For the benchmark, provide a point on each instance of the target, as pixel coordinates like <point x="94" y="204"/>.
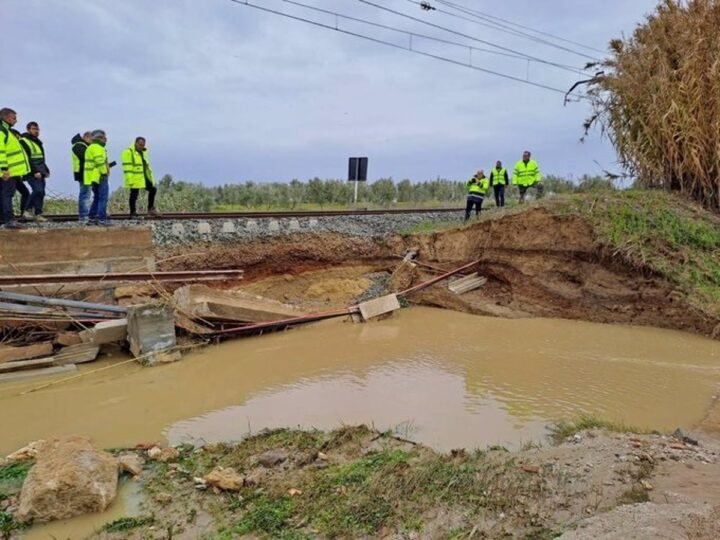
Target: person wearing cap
<point x="14" y="165"/>
<point x="138" y="175"/>
<point x="96" y="174"/>
<point x="80" y="144"/>
<point x="477" y="187"/>
<point x="39" y="172"/>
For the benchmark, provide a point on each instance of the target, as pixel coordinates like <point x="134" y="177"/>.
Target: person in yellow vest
<point x="139" y="175"/>
<point x="477" y="187"/>
<point x="39" y="172"/>
<point x="14" y="166"/>
<point x="526" y="175"/>
<point x="80" y="145"/>
<point x="498" y="180"/>
<point x="96" y="174"/>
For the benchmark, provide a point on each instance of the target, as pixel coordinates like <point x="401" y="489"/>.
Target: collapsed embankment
<point x="607" y="259"/>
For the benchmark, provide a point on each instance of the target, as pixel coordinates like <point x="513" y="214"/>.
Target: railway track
<point x="263" y="215"/>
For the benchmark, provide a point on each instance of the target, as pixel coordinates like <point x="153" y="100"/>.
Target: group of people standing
<point x="22" y="159"/>
<point x="526" y="175"/>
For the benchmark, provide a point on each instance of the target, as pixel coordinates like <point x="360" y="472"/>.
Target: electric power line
<point x="396" y="46"/>
<point x="412" y="34"/>
<point x="483" y="21"/>
<point x="489" y="16"/>
<point x="473" y="38"/>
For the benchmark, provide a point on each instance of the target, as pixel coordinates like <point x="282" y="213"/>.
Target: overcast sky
<point x="226" y="93"/>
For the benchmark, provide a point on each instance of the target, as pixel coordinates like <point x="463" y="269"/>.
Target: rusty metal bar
<point x="120" y="277"/>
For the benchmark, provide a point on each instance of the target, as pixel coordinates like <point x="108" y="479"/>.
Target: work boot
<point x="27" y="214"/>
<point x="105" y="223"/>
<point x="14" y="225"/>
<point x="40" y="218"/>
<point x="154" y="213"/>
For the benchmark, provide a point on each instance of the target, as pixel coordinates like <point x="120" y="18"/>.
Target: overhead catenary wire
<point x="412" y="34"/>
<point x="485" y="22"/>
<point x="513" y="24"/>
<point x="249" y="4"/>
<point x="473" y="38"/>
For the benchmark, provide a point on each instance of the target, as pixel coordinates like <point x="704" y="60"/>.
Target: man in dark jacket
<point x="39" y="172"/>
<point x="79" y="146"/>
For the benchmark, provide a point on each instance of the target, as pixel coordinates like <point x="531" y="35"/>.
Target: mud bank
<point x="539" y="263"/>
<point x="357" y="482"/>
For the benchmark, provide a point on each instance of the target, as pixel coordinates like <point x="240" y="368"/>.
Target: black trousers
<point x="24" y="192"/>
<point x="499" y="195"/>
<point x="134" y="192"/>
<point x="476" y="201"/>
<point x="7" y="191"/>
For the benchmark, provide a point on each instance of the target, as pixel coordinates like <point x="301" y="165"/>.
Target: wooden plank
<point x="7" y="367"/>
<point x="77" y="354"/>
<point x="44" y="372"/>
<point x="379" y="306"/>
<point x="467" y="283"/>
<point x="11" y="354"/>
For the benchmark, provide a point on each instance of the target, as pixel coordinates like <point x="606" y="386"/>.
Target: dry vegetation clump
<point x="659" y="99"/>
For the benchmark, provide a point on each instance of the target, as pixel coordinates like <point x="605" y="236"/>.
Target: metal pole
<point x="356" y="193"/>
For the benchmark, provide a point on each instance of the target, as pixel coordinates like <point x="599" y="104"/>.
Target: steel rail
<point x="263" y="215"/>
<point x="179" y="276"/>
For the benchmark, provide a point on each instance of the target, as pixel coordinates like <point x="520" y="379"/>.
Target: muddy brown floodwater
<point x="443" y="378"/>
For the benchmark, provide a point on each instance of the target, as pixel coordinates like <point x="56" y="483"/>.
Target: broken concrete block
<point x="106" y="332"/>
<point x="151" y="330"/>
<point x="379" y="306"/>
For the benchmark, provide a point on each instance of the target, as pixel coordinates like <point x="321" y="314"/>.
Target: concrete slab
<point x="203" y="302"/>
<point x="379" y="306"/>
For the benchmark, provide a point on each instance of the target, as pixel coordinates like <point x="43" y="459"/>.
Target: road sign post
<point x="357" y="172"/>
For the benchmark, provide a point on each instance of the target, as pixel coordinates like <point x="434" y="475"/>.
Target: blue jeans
<point x="84" y="201"/>
<point x="101" y="192"/>
<point x="37" y="197"/>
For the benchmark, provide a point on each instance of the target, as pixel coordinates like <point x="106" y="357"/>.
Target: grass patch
<point x="128" y="523"/>
<point x="12" y="477"/>
<point x="560" y="431"/>
<point x="430" y="227"/>
<point x="634" y="495"/>
<point x="267" y="515"/>
<point x="9" y="526"/>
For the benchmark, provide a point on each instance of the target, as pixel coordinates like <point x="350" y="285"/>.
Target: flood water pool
<point x="445" y="379"/>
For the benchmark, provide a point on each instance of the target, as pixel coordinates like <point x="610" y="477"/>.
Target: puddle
<point x="443" y="378"/>
<point x="126" y="504"/>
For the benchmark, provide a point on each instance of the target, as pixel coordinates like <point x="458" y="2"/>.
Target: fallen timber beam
<point x="58" y="313"/>
<point x="122" y="277"/>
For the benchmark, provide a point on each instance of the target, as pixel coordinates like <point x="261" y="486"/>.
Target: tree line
<point x="183" y="196"/>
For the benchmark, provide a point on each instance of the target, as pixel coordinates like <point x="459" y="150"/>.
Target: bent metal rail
<point x="266" y="215"/>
